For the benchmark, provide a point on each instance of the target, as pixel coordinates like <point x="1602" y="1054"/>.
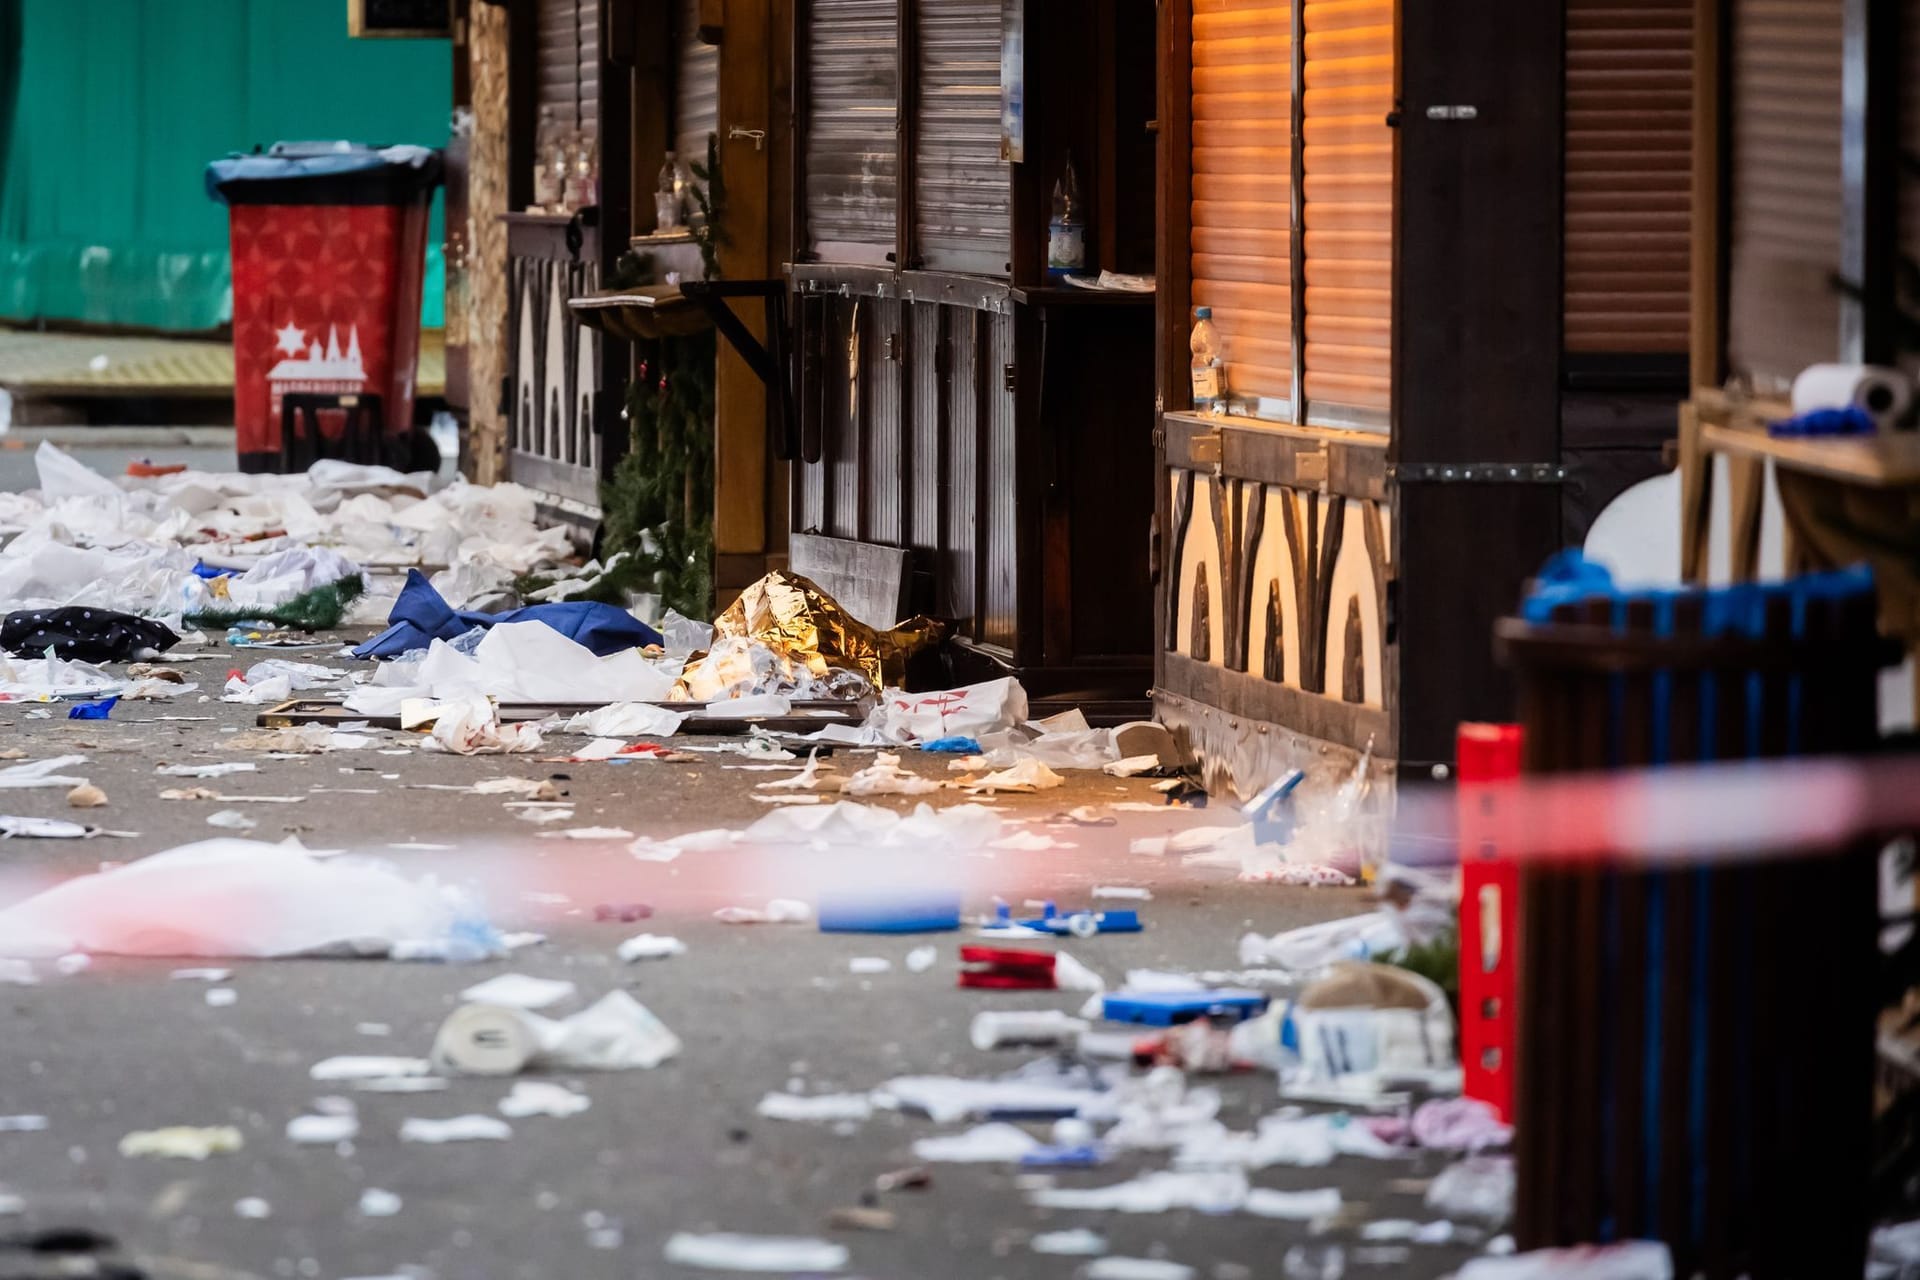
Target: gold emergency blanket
<point x="794" y="617"/>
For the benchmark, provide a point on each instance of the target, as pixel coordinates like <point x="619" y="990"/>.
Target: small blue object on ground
<point x="953" y="746"/>
<point x="92" y="710"/>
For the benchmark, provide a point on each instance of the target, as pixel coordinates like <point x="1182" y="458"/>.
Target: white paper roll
<point x="1882" y="394"/>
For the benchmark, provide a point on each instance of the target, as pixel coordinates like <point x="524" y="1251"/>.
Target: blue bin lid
<point x="325" y="173"/>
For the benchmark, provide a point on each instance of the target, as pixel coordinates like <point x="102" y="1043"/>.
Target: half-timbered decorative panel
<point x="1278" y="564"/>
<point x="552" y="438"/>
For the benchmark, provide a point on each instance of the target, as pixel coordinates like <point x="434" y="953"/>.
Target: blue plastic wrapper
<point x="420" y="616"/>
<point x="1850" y="421"/>
<point x="92" y="710"/>
<point x="953" y="746"/>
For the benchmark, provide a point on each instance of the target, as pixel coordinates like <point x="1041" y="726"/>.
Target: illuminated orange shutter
<point x="1348" y="208"/>
<point x="1629" y="175"/>
<point x="1783" y="312"/>
<point x="1243" y="189"/>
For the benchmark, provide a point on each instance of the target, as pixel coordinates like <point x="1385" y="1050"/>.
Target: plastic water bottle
<point x="1209" y="372"/>
<point x="667" y="198"/>
<point x="1067" y="230"/>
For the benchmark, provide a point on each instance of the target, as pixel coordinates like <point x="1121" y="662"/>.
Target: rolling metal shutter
<point x="960" y="184"/>
<point x="852" y="154"/>
<point x="1242" y="211"/>
<point x="568" y="76"/>
<point x="1348" y="207"/>
<point x="696" y="89"/>
<point x="1786" y="210"/>
<point x="1629" y="130"/>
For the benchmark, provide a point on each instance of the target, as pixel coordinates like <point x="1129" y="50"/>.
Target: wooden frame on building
<point x="953" y="401"/>
<point x="400" y="19"/>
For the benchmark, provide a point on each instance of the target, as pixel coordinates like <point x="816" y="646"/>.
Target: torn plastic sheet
<point x="1026" y="776"/>
<point x="531" y="662"/>
<point x="230" y="897"/>
<point x="50" y="678"/>
<point x="1208" y="1191"/>
<point x="957" y="828"/>
<point x="41" y="773"/>
<point x="885" y="777"/>
<point x="471" y="726"/>
<point x="193" y="770"/>
<point x="827" y="1108"/>
<point x="626" y="720"/>
<point x="12" y="828"/>
<point x="725" y="1251"/>
<point x="1307" y="1142"/>
<point x="1479" y="1188"/>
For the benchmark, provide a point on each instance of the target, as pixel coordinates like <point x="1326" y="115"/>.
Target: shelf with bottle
<point x="566" y="172"/>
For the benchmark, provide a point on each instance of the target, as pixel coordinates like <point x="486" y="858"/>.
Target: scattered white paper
<point x="542" y="1098"/>
<point x="467" y="1128"/>
<point x="727" y="1252"/>
<point x="650" y="946"/>
<point x="820" y="1107"/>
<point x="1077" y="1243"/>
<point x="778" y="911"/>
<point x="360" y="1067"/>
<point x="519" y="991"/>
<point x="983" y="1144"/>
<point x="322" y="1130"/>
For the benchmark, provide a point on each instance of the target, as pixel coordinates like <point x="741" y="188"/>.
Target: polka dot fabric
<point x="84" y="635"/>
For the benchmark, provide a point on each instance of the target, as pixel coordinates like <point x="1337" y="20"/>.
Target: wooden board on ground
<point x="869" y="580"/>
<point x="802" y="717"/>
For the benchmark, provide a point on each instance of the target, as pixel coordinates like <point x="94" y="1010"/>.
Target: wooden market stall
<point x="1446" y="260"/>
<point x="952" y="400"/>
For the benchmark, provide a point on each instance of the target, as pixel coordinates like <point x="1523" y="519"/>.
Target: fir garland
<point x="658" y="504"/>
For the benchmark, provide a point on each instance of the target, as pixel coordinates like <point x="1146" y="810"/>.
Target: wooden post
<point x="489" y="182"/>
<point x="1710" y="157"/>
<point x="748" y="53"/>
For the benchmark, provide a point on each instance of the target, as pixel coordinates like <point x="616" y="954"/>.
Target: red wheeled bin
<point x="329" y="247"/>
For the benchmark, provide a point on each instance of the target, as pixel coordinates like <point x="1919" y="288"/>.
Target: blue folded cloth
<point x="420" y="616"/>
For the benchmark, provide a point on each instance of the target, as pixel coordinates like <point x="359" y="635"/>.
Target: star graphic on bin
<point x="292" y="339"/>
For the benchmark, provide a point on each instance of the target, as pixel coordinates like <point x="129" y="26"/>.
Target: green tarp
<point x="110" y="110"/>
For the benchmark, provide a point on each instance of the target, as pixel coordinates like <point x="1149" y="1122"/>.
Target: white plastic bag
<point x="229" y="897"/>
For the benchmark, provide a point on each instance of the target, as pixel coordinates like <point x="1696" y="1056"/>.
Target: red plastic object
<point x="326" y="320"/>
<point x="1488" y="757"/>
<point x="1001" y="969"/>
